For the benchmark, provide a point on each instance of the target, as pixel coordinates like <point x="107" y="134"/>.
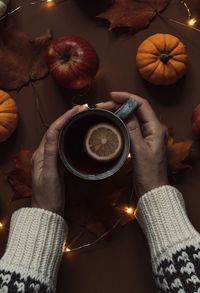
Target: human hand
<point x="147" y="143"/>
<point x="48" y="183"/>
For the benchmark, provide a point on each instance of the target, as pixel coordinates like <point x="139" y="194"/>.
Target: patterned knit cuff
<point x="35" y="245"/>
<point x="163" y="218"/>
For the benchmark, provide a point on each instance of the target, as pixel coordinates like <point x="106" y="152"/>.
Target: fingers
<point x="110" y="106"/>
<point x="51" y="141"/>
<point x="144" y="112"/>
<point x="133" y="125"/>
<point x="48" y="149"/>
<point x="59" y="123"/>
<point x="135" y="134"/>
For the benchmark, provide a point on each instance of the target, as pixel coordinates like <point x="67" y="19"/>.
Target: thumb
<point x="51" y="139"/>
<point x="135" y="134"/>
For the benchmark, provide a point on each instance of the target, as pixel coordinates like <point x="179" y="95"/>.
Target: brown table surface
<point x="121" y="264"/>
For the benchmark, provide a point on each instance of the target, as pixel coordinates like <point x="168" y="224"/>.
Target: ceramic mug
<point x="72" y="136"/>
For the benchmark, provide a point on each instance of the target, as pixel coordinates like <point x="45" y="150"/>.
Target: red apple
<point x="196" y="120"/>
<point x="72" y="61"/>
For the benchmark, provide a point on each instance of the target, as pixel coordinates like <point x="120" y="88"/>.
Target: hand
<point x="48" y="185"/>
<point x="147" y="143"/>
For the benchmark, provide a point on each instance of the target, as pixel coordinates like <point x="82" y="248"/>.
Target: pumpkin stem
<point x="165" y="57"/>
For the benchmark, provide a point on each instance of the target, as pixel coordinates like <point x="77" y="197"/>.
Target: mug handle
<point x="126" y="110"/>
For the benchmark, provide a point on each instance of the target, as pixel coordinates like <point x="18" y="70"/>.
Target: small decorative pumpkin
<point x="162" y="59"/>
<point x="8" y="116"/>
<point x="3" y="6"/>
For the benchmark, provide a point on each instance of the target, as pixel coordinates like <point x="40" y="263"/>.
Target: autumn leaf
<point x="22" y="60"/>
<point x="133" y="14"/>
<point x="177" y="153"/>
<point x="21" y="177"/>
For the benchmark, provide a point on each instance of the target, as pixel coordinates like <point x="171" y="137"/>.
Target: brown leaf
<point x="133" y="14"/>
<point x="21" y="177"/>
<point x="22" y="60"/>
<point x="177" y="153"/>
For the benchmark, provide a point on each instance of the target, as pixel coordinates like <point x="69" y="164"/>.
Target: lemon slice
<point x="103" y="142"/>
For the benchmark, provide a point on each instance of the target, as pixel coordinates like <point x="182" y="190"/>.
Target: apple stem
<point x="65" y="58"/>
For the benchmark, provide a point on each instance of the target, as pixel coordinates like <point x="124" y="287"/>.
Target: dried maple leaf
<point x="133" y="14"/>
<point x="22" y="60"/>
<point x="21" y="177"/>
<point x="177" y="153"/>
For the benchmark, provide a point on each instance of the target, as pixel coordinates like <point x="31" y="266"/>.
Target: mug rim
<point x="105" y="174"/>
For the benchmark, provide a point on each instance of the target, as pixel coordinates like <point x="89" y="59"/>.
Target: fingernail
<point x="100" y="104"/>
<point x="82" y="108"/>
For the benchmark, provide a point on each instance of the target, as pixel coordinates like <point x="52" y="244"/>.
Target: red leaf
<point x="21" y="177"/>
<point x="22" y="60"/>
<point x="133" y="14"/>
<point x="177" y="153"/>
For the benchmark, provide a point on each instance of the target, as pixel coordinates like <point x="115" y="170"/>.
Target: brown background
<point x="121" y="264"/>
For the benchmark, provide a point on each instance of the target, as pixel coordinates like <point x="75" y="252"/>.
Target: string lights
<point x="129" y="209"/>
<point x="187" y="8"/>
<point x="48" y="3"/>
<point x="191" y="21"/>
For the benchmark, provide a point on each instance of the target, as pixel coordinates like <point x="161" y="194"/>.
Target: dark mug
<point x="71" y="149"/>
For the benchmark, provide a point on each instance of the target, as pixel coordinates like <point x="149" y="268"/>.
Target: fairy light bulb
<point x="1" y="225"/>
<point x="129" y="210"/>
<point x="129" y="155"/>
<point x="50" y="3"/>
<point x="67" y="249"/>
<point x="85" y="105"/>
<point x="192" y="21"/>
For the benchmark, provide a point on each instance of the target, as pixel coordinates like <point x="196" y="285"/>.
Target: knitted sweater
<point x="173" y="241"/>
<point x="34" y="249"/>
<point x="33" y="253"/>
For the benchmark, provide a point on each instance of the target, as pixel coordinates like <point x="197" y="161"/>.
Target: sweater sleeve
<point x="173" y="241"/>
<point x="33" y="253"/>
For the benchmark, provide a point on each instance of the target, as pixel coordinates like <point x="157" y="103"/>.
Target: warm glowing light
<point x="129" y="210"/>
<point x="83" y="107"/>
<point x="67" y="249"/>
<point x="1" y="225"/>
<point x="129" y="155"/>
<point x="50" y="3"/>
<point x="192" y="21"/>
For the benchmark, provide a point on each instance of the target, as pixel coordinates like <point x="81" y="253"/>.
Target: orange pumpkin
<point x="8" y="116"/>
<point x="162" y="59"/>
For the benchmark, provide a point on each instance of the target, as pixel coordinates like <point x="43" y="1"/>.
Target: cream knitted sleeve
<point x="33" y="253"/>
<point x="173" y="241"/>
